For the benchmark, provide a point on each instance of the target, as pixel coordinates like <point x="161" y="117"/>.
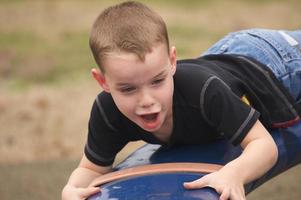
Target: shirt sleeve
<point x="104" y="141"/>
<point x="225" y="111"/>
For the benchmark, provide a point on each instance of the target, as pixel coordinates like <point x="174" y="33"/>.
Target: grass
<point x="33" y="59"/>
<point x="197" y="43"/>
<point x="35" y="181"/>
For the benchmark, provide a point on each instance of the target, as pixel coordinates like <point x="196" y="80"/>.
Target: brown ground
<point x="43" y="127"/>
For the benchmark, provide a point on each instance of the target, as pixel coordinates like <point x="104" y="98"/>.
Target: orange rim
<point x="156" y="169"/>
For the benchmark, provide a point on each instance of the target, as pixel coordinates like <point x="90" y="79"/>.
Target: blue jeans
<point x="278" y="50"/>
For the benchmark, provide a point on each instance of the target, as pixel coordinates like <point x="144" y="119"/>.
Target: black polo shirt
<point x="206" y="106"/>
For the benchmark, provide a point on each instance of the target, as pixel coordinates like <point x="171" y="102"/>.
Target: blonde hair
<point x="127" y="27"/>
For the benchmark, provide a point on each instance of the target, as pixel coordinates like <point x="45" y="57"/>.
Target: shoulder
<point x="191" y="78"/>
<point x="105" y="129"/>
<point x="105" y="111"/>
<point x="105" y="102"/>
<point x="196" y="68"/>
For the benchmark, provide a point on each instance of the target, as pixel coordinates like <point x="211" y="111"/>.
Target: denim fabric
<point x="278" y="50"/>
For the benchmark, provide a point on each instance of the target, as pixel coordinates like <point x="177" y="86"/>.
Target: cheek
<point x="166" y="93"/>
<point x="124" y="104"/>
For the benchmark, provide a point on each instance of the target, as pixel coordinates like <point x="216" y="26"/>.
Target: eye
<point x="158" y="81"/>
<point x="127" y="89"/>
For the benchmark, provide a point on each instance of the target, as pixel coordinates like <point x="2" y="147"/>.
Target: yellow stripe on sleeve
<point x="245" y="100"/>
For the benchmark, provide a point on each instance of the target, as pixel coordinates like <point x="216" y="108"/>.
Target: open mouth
<point x="150" y="121"/>
<point x="150" y="117"/>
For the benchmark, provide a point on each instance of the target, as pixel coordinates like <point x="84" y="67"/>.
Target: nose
<point x="146" y="99"/>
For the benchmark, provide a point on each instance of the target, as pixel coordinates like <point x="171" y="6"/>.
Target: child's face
<point x="142" y="91"/>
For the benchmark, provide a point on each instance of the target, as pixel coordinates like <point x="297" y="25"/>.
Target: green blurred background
<point x="46" y="90"/>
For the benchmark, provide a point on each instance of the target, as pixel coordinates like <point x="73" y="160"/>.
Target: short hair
<point x="129" y="27"/>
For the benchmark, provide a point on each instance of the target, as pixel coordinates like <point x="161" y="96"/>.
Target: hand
<point x="72" y="193"/>
<point x="226" y="183"/>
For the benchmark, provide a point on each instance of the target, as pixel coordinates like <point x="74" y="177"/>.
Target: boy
<point x="150" y="96"/>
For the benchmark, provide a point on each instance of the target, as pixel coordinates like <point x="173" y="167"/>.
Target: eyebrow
<point x="162" y="73"/>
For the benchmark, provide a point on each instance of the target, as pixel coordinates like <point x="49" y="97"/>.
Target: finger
<point x="237" y="194"/>
<point x="202" y="182"/>
<point x="242" y="193"/>
<point x="84" y="193"/>
<point x="225" y="194"/>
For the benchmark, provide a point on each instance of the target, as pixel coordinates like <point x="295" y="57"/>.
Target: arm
<point x="259" y="155"/>
<point x="77" y="186"/>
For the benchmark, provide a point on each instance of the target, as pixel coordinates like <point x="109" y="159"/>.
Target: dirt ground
<point x="46" y="90"/>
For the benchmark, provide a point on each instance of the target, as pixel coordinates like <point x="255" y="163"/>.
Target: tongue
<point x="149" y="117"/>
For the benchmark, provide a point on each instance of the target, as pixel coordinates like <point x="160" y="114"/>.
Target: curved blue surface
<point x="157" y="186"/>
<point x="288" y="142"/>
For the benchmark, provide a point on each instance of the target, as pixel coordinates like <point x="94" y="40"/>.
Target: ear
<point x="173" y="59"/>
<point x="100" y="78"/>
